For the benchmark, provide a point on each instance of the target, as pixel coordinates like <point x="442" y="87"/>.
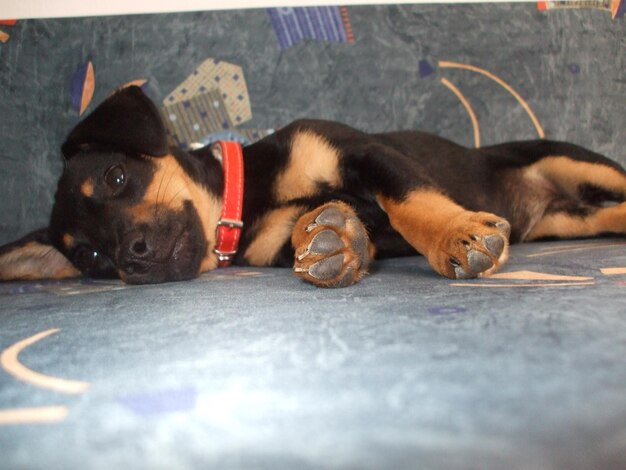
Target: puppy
<point x="317" y="196"/>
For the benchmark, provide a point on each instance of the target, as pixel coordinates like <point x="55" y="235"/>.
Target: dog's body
<point x="318" y="196"/>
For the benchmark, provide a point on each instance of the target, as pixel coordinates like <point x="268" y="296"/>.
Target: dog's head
<point x="127" y="205"/>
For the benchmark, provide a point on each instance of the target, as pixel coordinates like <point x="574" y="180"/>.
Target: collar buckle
<point x="231" y="223"/>
<point x="224" y="256"/>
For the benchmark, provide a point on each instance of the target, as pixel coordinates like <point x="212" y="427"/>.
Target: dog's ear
<point x="34" y="257"/>
<point x="127" y="121"/>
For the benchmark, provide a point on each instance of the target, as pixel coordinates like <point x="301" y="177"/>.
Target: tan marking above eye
<point x="312" y="160"/>
<point x="170" y="187"/>
<point x="68" y="241"/>
<point x="87" y="187"/>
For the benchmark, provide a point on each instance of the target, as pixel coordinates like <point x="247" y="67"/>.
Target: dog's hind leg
<point x="589" y="198"/>
<point x="332" y="248"/>
<point x="458" y="243"/>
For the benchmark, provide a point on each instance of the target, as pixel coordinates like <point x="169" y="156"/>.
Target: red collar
<point x="230" y="223"/>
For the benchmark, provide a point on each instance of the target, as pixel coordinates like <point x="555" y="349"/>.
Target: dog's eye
<point x="86" y="258"/>
<point x="115" y="177"/>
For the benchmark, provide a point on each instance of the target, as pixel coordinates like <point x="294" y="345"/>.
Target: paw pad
<point x="330" y="216"/>
<point x="323" y="243"/>
<point x="327" y="268"/>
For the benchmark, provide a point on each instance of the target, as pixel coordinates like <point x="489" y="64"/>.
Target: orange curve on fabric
<point x="37" y="415"/>
<point x="503" y="84"/>
<point x="613" y="271"/>
<point x="468" y="108"/>
<point x="537" y="276"/>
<point x="574" y="248"/>
<point x="509" y="286"/>
<point x="9" y="361"/>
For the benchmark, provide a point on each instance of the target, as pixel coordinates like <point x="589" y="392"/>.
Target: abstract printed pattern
<point x="82" y="87"/>
<point x="224" y="77"/>
<point x="616" y="7"/>
<point x="294" y="25"/>
<point x="4" y="37"/>
<point x="211" y="101"/>
<point x="192" y="119"/>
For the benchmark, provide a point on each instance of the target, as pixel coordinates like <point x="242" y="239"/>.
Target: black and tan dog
<point x="319" y="196"/>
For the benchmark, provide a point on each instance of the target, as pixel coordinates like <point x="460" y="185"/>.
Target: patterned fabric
<point x="214" y="98"/>
<point x="616" y="7"/>
<point x="224" y="77"/>
<point x="82" y="87"/>
<point x="4" y="36"/>
<point x="190" y="120"/>
<point x="294" y="25"/>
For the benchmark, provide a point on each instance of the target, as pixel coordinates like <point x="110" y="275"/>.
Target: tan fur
<point x="68" y="241"/>
<point x="568" y="174"/>
<point x="35" y="261"/>
<point x="312" y="160"/>
<point x="604" y="220"/>
<point x="436" y="226"/>
<point x="169" y="189"/>
<point x="421" y="217"/>
<point x="270" y="234"/>
<point x="87" y="187"/>
<point x="530" y="193"/>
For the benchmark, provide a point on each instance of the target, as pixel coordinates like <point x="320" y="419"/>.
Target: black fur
<point x="126" y="131"/>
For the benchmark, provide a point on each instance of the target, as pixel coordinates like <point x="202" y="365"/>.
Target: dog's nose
<point x="135" y="253"/>
<point x="135" y="245"/>
<point x="139" y="248"/>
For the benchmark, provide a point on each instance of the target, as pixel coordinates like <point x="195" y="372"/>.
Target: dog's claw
<point x="460" y="273"/>
<point x="501" y="225"/>
<point x="330" y="216"/>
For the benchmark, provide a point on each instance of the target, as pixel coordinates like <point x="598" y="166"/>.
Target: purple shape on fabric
<point x="425" y="68"/>
<point x="161" y="401"/>
<point x="574" y="68"/>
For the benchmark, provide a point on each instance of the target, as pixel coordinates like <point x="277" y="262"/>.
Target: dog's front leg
<point x="459" y="244"/>
<point x="332" y="248"/>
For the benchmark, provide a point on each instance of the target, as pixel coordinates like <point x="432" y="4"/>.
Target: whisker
<point x="156" y="206"/>
<point x="175" y="196"/>
<point x="164" y="194"/>
<point x="168" y="185"/>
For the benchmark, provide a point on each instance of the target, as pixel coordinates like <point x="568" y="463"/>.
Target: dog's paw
<point x="332" y="248"/>
<point x="474" y="244"/>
